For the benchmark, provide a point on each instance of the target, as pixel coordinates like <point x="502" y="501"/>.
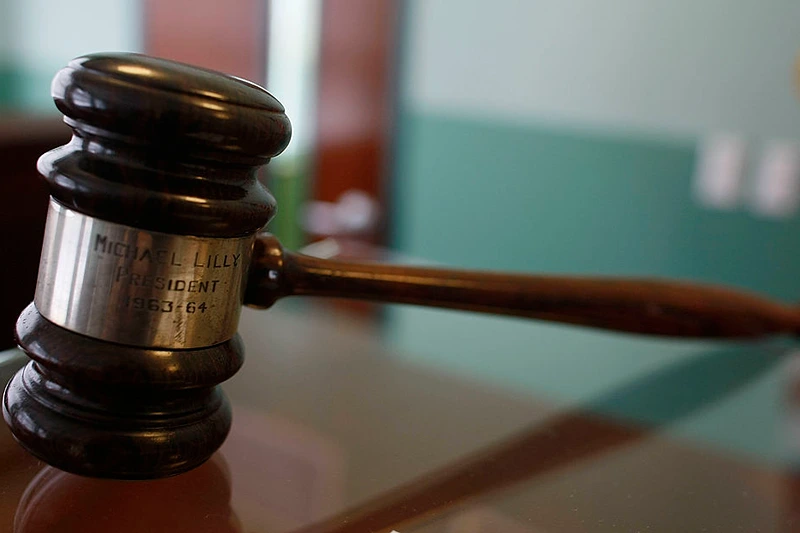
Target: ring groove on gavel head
<point x="154" y="210"/>
<point x="163" y="146"/>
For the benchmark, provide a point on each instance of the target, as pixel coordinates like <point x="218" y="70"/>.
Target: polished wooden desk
<point x="332" y="432"/>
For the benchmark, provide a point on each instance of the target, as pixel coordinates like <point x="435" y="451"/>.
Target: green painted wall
<point x="540" y="198"/>
<point x="547" y="199"/>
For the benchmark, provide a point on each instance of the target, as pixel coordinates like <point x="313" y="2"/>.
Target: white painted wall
<point x="292" y="65"/>
<point x="38" y="37"/>
<point x="6" y="15"/>
<point x="47" y="33"/>
<point x="682" y="66"/>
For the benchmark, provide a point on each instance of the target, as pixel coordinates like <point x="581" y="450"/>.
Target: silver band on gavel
<point x="142" y="288"/>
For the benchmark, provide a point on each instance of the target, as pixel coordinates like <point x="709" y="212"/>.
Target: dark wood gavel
<point x="152" y="246"/>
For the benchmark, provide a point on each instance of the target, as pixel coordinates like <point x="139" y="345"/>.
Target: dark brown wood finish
<point x="653" y="307"/>
<point x="312" y="377"/>
<point x="358" y="41"/>
<point x="554" y="444"/>
<point x="198" y="501"/>
<point x="171" y="148"/>
<point x="164" y="146"/>
<point x="159" y="146"/>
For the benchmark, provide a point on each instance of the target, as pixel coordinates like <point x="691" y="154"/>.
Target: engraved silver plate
<point x="136" y="287"/>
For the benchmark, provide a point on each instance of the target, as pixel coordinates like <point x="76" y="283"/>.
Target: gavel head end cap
<point x="170" y="106"/>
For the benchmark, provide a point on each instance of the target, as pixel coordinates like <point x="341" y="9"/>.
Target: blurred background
<point x="565" y="136"/>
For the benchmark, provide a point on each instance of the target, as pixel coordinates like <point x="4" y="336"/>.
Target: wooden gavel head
<point x="154" y="207"/>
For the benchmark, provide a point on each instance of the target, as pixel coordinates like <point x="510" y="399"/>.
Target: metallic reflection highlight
<point x="141" y="288"/>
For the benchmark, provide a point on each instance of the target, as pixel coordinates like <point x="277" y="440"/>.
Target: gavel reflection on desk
<point x="58" y="501"/>
<point x="152" y="246"/>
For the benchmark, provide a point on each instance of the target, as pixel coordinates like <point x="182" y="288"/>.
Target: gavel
<point x="153" y="244"/>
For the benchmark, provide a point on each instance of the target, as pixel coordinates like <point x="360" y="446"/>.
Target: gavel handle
<point x="652" y="307"/>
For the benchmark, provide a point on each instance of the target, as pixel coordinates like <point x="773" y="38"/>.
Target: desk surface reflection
<point x="334" y="433"/>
